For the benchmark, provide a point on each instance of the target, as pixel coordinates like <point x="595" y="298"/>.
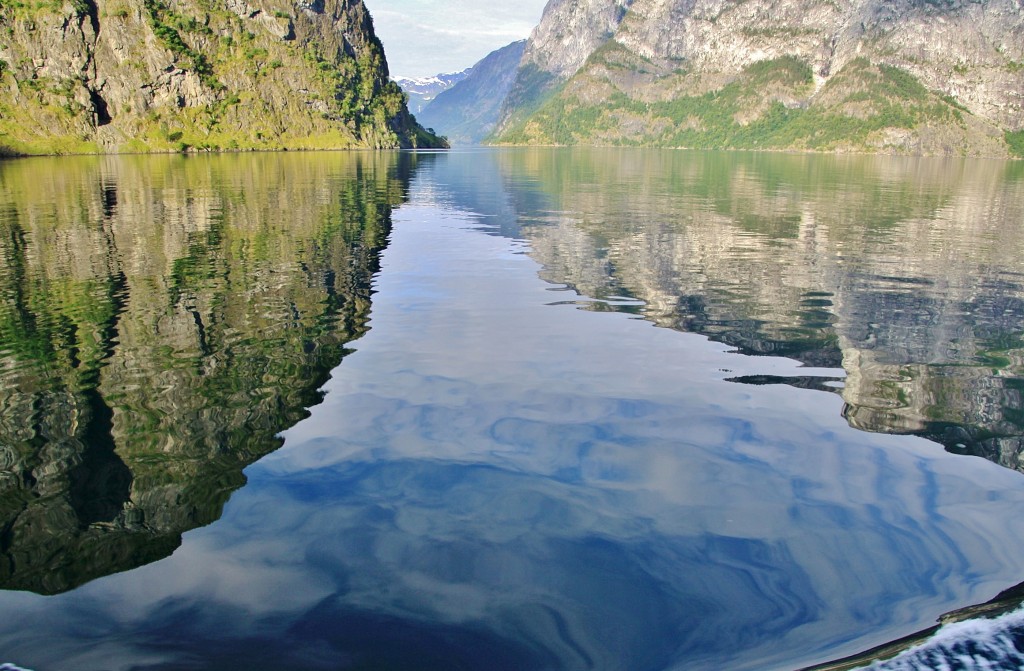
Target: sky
<point x="429" y="37"/>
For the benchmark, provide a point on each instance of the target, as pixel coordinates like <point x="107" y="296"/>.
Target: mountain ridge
<point x="907" y="77"/>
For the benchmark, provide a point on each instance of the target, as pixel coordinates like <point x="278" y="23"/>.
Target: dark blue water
<point x="513" y="467"/>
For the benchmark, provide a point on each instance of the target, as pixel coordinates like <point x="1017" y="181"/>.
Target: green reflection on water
<point x="161" y="321"/>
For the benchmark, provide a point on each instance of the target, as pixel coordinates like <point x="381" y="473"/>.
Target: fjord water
<point x="511" y="467"/>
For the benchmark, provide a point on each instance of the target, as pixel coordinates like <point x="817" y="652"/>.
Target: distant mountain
<point x="932" y="77"/>
<point x="468" y="112"/>
<point x="422" y="90"/>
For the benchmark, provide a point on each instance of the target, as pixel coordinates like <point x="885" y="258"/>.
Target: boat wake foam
<point x="972" y="645"/>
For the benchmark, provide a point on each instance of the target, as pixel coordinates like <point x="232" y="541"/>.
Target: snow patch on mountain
<point x="421" y="90"/>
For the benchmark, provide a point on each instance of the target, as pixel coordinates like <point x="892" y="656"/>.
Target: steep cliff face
<point x="912" y="76"/>
<point x="570" y="31"/>
<point x="468" y="112"/>
<point x="143" y="75"/>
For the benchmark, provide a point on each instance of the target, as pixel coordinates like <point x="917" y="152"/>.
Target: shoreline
<point x="8" y="154"/>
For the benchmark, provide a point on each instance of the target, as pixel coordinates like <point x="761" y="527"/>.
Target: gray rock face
<point x="569" y="31"/>
<point x="966" y="49"/>
<point x="969" y="50"/>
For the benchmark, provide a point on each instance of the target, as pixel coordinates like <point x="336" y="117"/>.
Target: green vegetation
<point x="165" y="24"/>
<point x="532" y="87"/>
<point x="766" y="107"/>
<point x="1015" y="140"/>
<point x="777" y="32"/>
<point x="356" y="91"/>
<point x="19" y="9"/>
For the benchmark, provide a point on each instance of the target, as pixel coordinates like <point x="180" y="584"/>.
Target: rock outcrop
<point x="911" y="77"/>
<point x="87" y="76"/>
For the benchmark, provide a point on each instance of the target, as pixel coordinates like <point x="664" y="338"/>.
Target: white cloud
<point x="427" y="37"/>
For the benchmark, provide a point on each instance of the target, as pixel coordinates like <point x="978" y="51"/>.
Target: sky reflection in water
<point x="496" y="480"/>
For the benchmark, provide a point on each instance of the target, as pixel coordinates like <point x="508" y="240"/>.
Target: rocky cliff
<point x="84" y="76"/>
<point x="468" y="112"/>
<point x="912" y="76"/>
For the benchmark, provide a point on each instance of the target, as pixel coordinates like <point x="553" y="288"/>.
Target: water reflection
<point x="906" y="273"/>
<point x="496" y="479"/>
<point x="496" y="482"/>
<point x="160" y="322"/>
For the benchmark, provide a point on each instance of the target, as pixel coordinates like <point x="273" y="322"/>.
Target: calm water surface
<point x="504" y="409"/>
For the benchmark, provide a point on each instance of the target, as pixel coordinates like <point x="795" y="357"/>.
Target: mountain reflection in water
<point x="906" y="273"/>
<point x="161" y="320"/>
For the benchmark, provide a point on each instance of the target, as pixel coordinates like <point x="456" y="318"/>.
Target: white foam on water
<point x="972" y="645"/>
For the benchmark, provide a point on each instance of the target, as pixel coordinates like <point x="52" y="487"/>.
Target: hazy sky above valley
<point x="428" y="37"/>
